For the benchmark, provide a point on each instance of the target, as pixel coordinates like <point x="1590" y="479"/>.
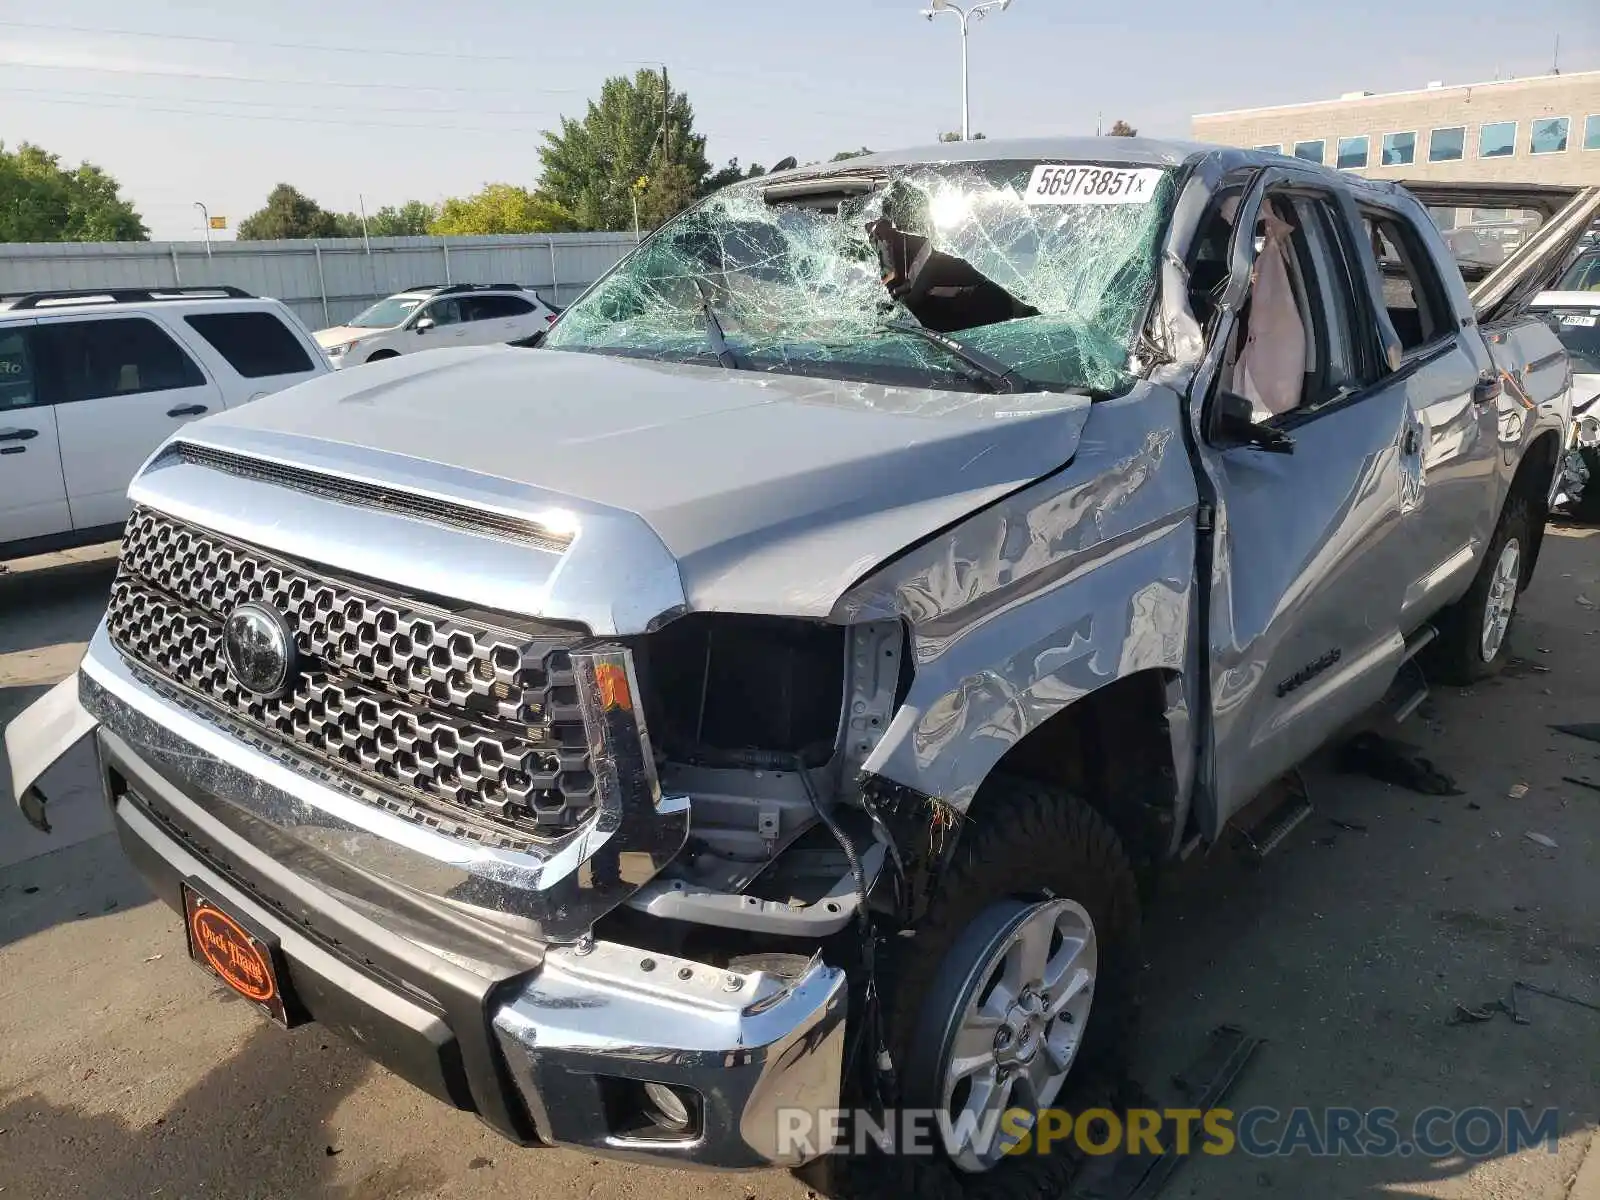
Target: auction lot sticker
<point x="1067" y="183"/>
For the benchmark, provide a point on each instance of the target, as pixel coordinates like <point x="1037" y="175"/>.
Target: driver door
<point x="1309" y="543"/>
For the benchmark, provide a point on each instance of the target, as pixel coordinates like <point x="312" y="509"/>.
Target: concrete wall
<point x="1575" y="96"/>
<point x="326" y="281"/>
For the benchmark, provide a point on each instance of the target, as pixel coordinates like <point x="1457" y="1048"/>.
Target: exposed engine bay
<point x="763" y="722"/>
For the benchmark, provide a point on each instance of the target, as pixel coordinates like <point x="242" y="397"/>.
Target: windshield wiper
<point x="986" y="367"/>
<point x="719" y="344"/>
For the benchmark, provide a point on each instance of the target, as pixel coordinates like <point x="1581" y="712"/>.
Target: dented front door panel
<point x="1311" y="551"/>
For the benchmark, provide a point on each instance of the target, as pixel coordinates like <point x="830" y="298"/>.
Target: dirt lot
<point x="125" y="1073"/>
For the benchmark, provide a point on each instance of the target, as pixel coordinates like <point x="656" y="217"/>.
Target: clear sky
<point x="187" y="100"/>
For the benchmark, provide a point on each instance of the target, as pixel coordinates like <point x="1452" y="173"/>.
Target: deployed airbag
<point x="1271" y="370"/>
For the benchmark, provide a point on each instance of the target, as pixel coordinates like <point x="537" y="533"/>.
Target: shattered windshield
<point x="385" y="314"/>
<point x="967" y="276"/>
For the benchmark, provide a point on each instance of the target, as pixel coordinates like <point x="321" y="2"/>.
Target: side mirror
<point x="1233" y="424"/>
<point x="424" y="324"/>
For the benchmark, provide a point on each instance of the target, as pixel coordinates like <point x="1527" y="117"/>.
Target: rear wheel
<point x="1472" y="632"/>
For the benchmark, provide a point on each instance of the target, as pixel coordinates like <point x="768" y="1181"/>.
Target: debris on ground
<point x="1462" y="1015"/>
<point x="1554" y="995"/>
<point x="1539" y="839"/>
<point x="1588" y="783"/>
<point x="1589" y="732"/>
<point x="1202" y="1085"/>
<point x="1469" y="1016"/>
<point x="1352" y="826"/>
<point x="1389" y="761"/>
<point x="1517" y="792"/>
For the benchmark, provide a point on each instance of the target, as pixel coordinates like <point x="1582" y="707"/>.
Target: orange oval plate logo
<point x="232" y="953"/>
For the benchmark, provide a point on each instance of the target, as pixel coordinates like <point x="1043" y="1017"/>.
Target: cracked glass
<point x="849" y="280"/>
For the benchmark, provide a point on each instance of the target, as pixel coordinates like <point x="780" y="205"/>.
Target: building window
<point x="1399" y="149"/>
<point x="1275" y="148"/>
<point x="1310" y="151"/>
<point x="1591" y="132"/>
<point x="1447" y="145"/>
<point x="1497" y="140"/>
<point x="1549" y="135"/>
<point x="1352" y="152"/>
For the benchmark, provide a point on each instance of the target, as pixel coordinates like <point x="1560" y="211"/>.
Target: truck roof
<point x="1116" y="151"/>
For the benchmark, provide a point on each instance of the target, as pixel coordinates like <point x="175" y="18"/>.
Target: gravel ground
<point x="124" y="1072"/>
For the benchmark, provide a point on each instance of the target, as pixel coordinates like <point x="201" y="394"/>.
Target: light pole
<point x="964" y="15"/>
<point x="205" y="224"/>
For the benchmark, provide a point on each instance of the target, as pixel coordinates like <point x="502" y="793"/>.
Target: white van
<point x="91" y="383"/>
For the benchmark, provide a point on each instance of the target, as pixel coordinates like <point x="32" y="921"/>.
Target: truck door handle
<point x="186" y="410"/>
<point x="18" y="435"/>
<point x="1410" y="441"/>
<point x="1486" y="390"/>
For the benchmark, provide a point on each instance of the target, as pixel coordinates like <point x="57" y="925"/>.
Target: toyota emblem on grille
<point x="260" y="649"/>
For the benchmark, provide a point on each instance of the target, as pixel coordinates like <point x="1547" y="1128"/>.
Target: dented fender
<point x="38" y="738"/>
<point x="1031" y="604"/>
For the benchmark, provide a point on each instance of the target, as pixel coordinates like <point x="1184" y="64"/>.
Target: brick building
<point x="1543" y="129"/>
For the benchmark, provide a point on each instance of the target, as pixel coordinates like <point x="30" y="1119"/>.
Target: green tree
<point x="40" y="201"/>
<point x="501" y="208"/>
<point x="732" y="173"/>
<point x="411" y="219"/>
<point x="289" y="213"/>
<point x="666" y="194"/>
<point x="955" y="136"/>
<point x="1120" y="128"/>
<point x="590" y="165"/>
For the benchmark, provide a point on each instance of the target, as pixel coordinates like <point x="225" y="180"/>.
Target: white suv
<point x="437" y="316"/>
<point x="91" y="383"/>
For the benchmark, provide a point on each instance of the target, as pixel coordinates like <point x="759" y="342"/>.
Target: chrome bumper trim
<point x="555" y="893"/>
<point x="749" y="1044"/>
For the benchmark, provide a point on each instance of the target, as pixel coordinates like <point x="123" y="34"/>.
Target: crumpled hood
<point x="773" y="493"/>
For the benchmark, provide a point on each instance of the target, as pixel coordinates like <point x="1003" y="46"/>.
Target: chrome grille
<point x="460" y="716"/>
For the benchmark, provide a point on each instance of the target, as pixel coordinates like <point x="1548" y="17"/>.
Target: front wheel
<point x="1017" y="992"/>
<point x="1472" y="632"/>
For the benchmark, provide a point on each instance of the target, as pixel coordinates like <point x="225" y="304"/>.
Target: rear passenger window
<point x="16" y="371"/>
<point x="490" y="308"/>
<point x="118" y="356"/>
<point x="255" y="344"/>
<point x="1413" y="293"/>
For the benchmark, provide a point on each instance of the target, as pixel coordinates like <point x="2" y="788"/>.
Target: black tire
<point x="1024" y="840"/>
<point x="380" y="355"/>
<point x="1456" y="657"/>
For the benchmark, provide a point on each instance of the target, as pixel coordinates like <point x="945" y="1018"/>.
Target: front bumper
<point x="547" y="1043"/>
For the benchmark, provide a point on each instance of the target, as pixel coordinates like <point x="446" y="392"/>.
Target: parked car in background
<point x="91" y="382"/>
<point x="1574" y="316"/>
<point x="1584" y="273"/>
<point x="435" y="317"/>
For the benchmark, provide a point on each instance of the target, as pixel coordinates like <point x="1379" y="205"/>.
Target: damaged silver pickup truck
<point x="778" y="688"/>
